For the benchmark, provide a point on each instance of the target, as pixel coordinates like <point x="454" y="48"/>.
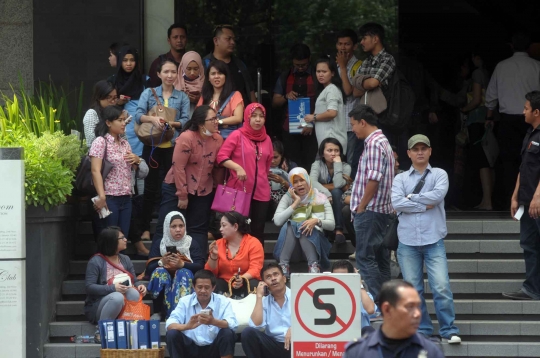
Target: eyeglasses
<point x="111" y="98"/>
<point x="213" y="119"/>
<point x="300" y="65"/>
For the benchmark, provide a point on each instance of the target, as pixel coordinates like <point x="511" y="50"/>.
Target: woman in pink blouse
<point x="248" y="153"/>
<point x="114" y="191"/>
<point x="189" y="183"/>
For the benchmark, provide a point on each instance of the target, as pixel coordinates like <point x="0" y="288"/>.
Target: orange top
<point x="249" y="258"/>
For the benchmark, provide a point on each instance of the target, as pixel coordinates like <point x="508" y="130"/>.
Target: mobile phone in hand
<point x="266" y="291"/>
<point x="125" y="283"/>
<point x="205" y="311"/>
<point x="125" y="97"/>
<point x="172" y="249"/>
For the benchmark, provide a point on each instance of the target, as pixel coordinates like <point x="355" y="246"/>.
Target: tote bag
<point x="135" y="310"/>
<point x="243" y="308"/>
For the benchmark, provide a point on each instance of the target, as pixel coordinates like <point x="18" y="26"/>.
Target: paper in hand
<point x="519" y="212"/>
<point x="104" y="212"/>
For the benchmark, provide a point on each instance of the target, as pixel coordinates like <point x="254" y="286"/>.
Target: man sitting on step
<point x="418" y="198"/>
<point x="272" y="313"/>
<point x="203" y="323"/>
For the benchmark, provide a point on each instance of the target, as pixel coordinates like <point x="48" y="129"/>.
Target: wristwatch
<point x="315" y="117"/>
<point x="319" y="223"/>
<point x="220" y="122"/>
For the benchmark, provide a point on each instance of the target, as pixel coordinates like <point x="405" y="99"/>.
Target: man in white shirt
<point x="271" y="313"/>
<point x="512" y="79"/>
<point x="203" y="323"/>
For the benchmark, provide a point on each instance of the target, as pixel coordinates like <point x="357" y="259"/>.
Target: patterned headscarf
<point x="247" y="130"/>
<point x="313" y="197"/>
<point x="182" y="245"/>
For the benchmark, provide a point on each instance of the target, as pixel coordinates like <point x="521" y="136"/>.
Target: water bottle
<point x="83" y="339"/>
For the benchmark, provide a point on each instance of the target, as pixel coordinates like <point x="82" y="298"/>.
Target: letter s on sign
<point x="330" y="308"/>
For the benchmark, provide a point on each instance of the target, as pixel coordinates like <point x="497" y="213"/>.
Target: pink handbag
<point x="231" y="199"/>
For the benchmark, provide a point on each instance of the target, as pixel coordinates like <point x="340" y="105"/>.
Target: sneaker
<point x="285" y="269"/>
<point x="518" y="295"/>
<point x="352" y="256"/>
<point x="340" y="239"/>
<point x="453" y="339"/>
<point x="314" y="268"/>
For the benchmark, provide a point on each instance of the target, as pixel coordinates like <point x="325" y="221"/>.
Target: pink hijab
<point x="247" y="130"/>
<point x="192" y="86"/>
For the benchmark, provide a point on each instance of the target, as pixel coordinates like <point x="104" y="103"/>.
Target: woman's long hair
<point x="336" y="80"/>
<point x="110" y="114"/>
<point x="208" y="89"/>
<point x="198" y="118"/>
<point x="101" y="91"/>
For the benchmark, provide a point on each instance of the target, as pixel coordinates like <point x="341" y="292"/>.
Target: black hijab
<point x="129" y="84"/>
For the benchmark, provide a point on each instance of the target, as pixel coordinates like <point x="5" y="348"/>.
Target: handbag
<point x="135" y="310"/>
<point x="150" y="135"/>
<point x="230" y="199"/>
<point x="242" y="308"/>
<point x="84" y="183"/>
<point x="462" y="138"/>
<point x="390" y="239"/>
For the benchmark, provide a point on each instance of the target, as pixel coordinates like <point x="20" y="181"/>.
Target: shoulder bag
<point x="390" y="239"/>
<point x="148" y="134"/>
<point x="243" y="308"/>
<point x="84" y="183"/>
<point x="230" y="199"/>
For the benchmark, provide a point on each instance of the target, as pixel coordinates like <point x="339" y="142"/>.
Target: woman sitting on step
<point x="303" y="214"/>
<point x="106" y="276"/>
<point x="180" y="257"/>
<point x="237" y="254"/>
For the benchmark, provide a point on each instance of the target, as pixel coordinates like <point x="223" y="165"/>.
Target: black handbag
<point x="84" y="182"/>
<point x="390" y="239"/>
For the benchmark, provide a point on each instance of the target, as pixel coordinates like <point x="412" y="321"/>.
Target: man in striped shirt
<point x="371" y="201"/>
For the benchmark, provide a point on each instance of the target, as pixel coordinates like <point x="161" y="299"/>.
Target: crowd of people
<point x="354" y="186"/>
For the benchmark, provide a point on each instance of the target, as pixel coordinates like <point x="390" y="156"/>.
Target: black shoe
<point x="518" y="295"/>
<point x="340" y="239"/>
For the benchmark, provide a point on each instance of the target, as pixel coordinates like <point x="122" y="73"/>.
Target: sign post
<point x="325" y="313"/>
<point x="12" y="254"/>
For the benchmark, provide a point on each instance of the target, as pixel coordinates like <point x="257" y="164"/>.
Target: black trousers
<point x="222" y="287"/>
<point x="257" y="344"/>
<point x="511" y="131"/>
<point x="257" y="215"/>
<point x="181" y="346"/>
<point x="158" y="166"/>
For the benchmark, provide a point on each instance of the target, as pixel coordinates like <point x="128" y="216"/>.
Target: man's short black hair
<point x="176" y="25"/>
<point x="389" y="291"/>
<point x="534" y="98"/>
<point x="343" y="264"/>
<point x="218" y="29"/>
<point x="300" y="52"/>
<point x="204" y="275"/>
<point x="365" y="112"/>
<point x="372" y="29"/>
<point x="521" y="41"/>
<point x="107" y="242"/>
<point x="269" y="266"/>
<point x="348" y="33"/>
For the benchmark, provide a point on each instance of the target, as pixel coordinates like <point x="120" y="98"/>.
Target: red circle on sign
<point x="321" y="335"/>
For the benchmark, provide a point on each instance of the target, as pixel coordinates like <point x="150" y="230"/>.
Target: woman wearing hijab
<point x="304" y="213"/>
<point x="190" y="78"/>
<point x="248" y="153"/>
<point x="172" y="275"/>
<point x="129" y="82"/>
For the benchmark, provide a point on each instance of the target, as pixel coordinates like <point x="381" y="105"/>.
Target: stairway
<point x="484" y="259"/>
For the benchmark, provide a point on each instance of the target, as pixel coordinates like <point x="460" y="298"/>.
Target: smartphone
<point x="125" y="283"/>
<point x="172" y="249"/>
<point x="125" y="97"/>
<point x="205" y="311"/>
<point x="128" y="119"/>
<point x="266" y="291"/>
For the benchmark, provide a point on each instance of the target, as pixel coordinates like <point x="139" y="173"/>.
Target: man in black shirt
<point x="527" y="194"/>
<point x="397" y="337"/>
<point x="224" y="44"/>
<point x="177" y="39"/>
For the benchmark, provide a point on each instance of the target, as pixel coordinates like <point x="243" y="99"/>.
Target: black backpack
<point x="400" y="102"/>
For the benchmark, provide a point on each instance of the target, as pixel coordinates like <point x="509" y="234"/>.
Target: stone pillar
<point x="16" y="42"/>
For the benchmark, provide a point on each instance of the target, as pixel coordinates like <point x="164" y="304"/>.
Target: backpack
<point x="400" y="100"/>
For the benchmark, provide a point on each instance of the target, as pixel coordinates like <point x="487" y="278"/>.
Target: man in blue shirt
<point x="203" y="323"/>
<point x="397" y="337"/>
<point x="418" y="196"/>
<point x="368" y="307"/>
<point x="272" y="313"/>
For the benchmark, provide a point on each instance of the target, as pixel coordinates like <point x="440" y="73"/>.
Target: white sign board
<point x="325" y="313"/>
<point x="12" y="254"/>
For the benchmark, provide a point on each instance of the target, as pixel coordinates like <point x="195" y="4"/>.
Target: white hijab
<point x="182" y="245"/>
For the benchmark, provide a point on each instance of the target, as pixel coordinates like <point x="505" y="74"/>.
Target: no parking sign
<point x="325" y="313"/>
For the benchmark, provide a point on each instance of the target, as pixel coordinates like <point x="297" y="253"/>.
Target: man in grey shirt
<point x="512" y="79"/>
<point x="418" y="196"/>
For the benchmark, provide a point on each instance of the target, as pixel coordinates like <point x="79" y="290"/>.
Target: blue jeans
<point x="530" y="243"/>
<point x="355" y="147"/>
<point x="412" y="260"/>
<point x="197" y="214"/>
<point x="337" y="205"/>
<point x="120" y="206"/>
<point x="372" y="257"/>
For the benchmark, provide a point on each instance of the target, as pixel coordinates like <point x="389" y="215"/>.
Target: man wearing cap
<point x="418" y="198"/>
